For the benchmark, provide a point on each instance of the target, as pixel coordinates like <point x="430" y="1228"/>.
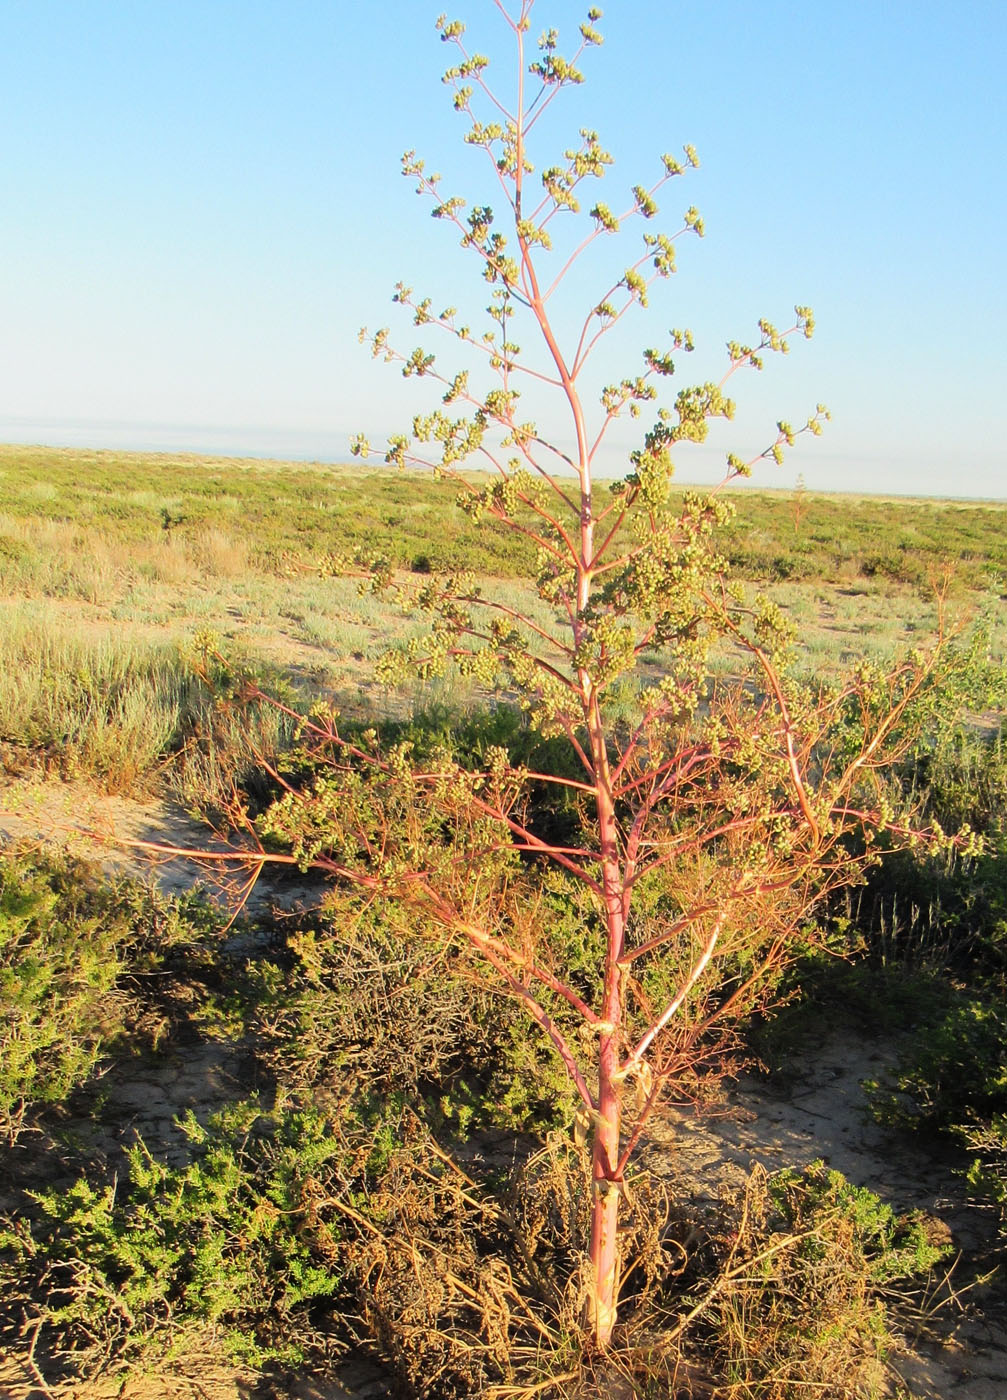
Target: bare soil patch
<point x="122" y="833"/>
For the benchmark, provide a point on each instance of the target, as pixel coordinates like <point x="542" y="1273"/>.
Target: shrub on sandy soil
<point x="359" y="1005"/>
<point x="951" y="1080"/>
<point x="57" y="1007"/>
<point x="938" y="927"/>
<point x="288" y="1231"/>
<point x="81" y="968"/>
<point x="800" y="1298"/>
<point x="116" y="1275"/>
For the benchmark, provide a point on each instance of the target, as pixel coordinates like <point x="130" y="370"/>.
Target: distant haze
<point x="292" y="445"/>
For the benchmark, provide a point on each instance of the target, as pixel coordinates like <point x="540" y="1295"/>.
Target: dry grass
<point x="90" y="561"/>
<point x="130" y="715"/>
<point x="787" y="1290"/>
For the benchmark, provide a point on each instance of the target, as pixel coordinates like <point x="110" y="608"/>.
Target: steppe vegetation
<point x="104" y="584"/>
<point x="603" y="820"/>
<point x="358" y="1149"/>
<point x="289" y="1222"/>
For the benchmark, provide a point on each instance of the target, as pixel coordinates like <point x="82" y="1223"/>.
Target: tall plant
<point x="705" y="816"/>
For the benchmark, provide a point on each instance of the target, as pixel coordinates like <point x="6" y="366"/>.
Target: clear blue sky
<point x="201" y="205"/>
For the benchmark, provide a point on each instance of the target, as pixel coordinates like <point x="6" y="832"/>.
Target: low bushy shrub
<point x="58" y="1010"/>
<point x="81" y="964"/>
<point x="800" y="1294"/>
<point x="119" y="1275"/>
<point x="360" y="1004"/>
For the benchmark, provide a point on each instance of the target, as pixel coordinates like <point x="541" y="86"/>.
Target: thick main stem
<point x="606" y="1183"/>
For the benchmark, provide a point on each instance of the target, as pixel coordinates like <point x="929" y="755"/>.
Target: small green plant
<point x="59" y="1006"/>
<point x="120" y="1275"/>
<point x="954" y="1072"/>
<point x="81" y="970"/>
<point x="951" y="1079"/>
<point x="817" y="1200"/>
<point x="988" y="1172"/>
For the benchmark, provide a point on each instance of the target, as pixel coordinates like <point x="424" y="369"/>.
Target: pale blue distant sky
<point x="201" y="205"/>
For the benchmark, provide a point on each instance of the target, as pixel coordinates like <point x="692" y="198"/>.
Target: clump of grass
<point x="219" y="554"/>
<point x="131" y="717"/>
<point x="105" y="711"/>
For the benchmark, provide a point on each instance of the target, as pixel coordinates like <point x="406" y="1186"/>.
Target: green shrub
<point x="817" y="1203"/>
<point x="120" y="1275"/>
<point x="953" y="1072"/>
<point x="951" y="1079"/>
<point x="988" y="1172"/>
<point x="363" y="1004"/>
<point x="58" y="1010"/>
<point x="81" y="964"/>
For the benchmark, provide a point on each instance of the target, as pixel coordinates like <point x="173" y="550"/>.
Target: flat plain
<point x="136" y="592"/>
<point x="112" y="563"/>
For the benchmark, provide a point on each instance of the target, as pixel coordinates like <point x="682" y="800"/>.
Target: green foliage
<point x="943" y="913"/>
<point x="952" y="1080"/>
<point x="817" y="1203"/>
<point x="233" y="1241"/>
<point x="82" y="971"/>
<point x="279" y="510"/>
<point x="955" y="1071"/>
<point x="929" y="929"/>
<point x="58" y="972"/>
<point x="518" y="1084"/>
<point x="364" y="1003"/>
<point x="988" y="1172"/>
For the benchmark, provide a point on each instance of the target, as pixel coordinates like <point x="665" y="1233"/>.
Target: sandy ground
<point x="819" y="1113"/>
<point x="122" y="835"/>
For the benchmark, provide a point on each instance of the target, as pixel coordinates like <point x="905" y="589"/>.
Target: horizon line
<point x="284" y="453"/>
